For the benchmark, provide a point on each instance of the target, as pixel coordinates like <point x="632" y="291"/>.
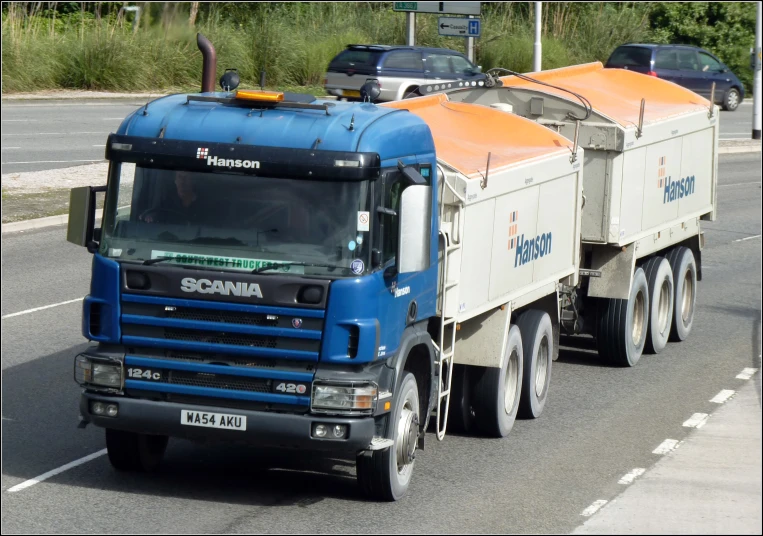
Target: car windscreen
<point x="630" y="57"/>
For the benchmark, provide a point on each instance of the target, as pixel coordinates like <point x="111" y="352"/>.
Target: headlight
<point x="91" y="371"/>
<point x="108" y="375"/>
<point x="348" y="399"/>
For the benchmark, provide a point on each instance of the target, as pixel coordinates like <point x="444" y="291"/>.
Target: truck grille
<point x="217" y="337"/>
<point x="219" y="381"/>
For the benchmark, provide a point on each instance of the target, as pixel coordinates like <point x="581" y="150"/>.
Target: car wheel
<point x="731" y="100"/>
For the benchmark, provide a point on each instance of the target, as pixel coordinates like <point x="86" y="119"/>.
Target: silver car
<point x="400" y="70"/>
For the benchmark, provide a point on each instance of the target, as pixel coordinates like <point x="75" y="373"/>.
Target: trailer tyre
<point x="538" y="344"/>
<point x="385" y="474"/>
<point x="498" y="391"/>
<point x="461" y="409"/>
<point x="684" y="267"/>
<point x="129" y="451"/>
<point x="659" y="277"/>
<point x="622" y="324"/>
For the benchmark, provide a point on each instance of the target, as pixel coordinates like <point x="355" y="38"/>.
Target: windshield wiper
<point x="261" y="269"/>
<point x="148" y="262"/>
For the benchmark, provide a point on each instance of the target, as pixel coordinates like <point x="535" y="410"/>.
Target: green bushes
<point x="97" y="49"/>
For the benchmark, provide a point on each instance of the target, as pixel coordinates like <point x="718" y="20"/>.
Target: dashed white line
<point x="99" y="145"/>
<point x="747" y="238"/>
<point x="4" y="148"/>
<point x="54" y="472"/>
<point x="630" y="477"/>
<point x="18" y="120"/>
<point x="591" y="510"/>
<point x="721" y="397"/>
<point x="747" y="373"/>
<point x="666" y="446"/>
<point x="696" y="421"/>
<point x="40" y="308"/>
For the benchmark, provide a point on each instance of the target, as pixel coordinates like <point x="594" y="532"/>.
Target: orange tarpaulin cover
<point x="464" y="134"/>
<point x="616" y="93"/>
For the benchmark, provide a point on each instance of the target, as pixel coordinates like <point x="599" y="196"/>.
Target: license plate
<point x="221" y="421"/>
<point x="350" y="93"/>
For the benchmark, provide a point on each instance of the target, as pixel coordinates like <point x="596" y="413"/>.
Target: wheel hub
<point x="407" y="437"/>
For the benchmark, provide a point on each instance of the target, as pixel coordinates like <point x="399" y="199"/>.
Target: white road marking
<point x="747" y="238"/>
<point x="4" y="148"/>
<point x="630" y="477"/>
<point x="112" y="118"/>
<point x="738" y="184"/>
<point x="31" y="134"/>
<point x="99" y="145"/>
<point x="54" y="472"/>
<point x="696" y="421"/>
<point x="666" y="446"/>
<point x="40" y="308"/>
<point x="17" y="120"/>
<point x="591" y="510"/>
<point x="747" y="373"/>
<point x="721" y="397"/>
<point x="93" y="160"/>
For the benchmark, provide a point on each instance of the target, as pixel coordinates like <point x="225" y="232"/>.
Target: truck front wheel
<point x="129" y="451"/>
<point x="385" y="474"/>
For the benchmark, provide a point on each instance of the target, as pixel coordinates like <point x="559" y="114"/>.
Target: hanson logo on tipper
<point x="527" y="250"/>
<point x="672" y="190"/>
<point x="203" y="152"/>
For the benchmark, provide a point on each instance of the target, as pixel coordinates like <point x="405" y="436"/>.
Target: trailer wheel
<point x="461" y="409"/>
<point x="497" y="393"/>
<point x="129" y="451"/>
<point x="538" y="344"/>
<point x="684" y="267"/>
<point x="385" y="474"/>
<point x="659" y="277"/>
<point x="622" y="324"/>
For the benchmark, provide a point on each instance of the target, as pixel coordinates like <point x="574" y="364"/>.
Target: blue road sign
<point x="474" y="28"/>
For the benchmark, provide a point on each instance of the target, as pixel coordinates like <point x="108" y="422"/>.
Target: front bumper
<point x="280" y="430"/>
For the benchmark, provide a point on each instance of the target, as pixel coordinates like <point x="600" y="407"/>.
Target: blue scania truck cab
<point x="266" y="271"/>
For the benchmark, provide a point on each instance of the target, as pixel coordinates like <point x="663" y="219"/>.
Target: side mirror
<point x="415" y="226"/>
<point x="81" y="226"/>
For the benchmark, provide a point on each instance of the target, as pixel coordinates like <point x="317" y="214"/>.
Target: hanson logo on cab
<point x="527" y="250"/>
<point x="673" y="190"/>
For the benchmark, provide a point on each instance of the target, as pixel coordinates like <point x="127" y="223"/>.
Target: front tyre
<point x="130" y="451"/>
<point x="731" y="100"/>
<point x="385" y="474"/>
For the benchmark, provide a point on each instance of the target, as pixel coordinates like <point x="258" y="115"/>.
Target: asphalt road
<point x="599" y="422"/>
<point x="39" y="135"/>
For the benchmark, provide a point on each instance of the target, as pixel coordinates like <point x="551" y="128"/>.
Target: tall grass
<point x="292" y="42"/>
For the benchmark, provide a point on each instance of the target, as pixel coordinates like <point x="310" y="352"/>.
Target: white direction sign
<point x="458" y="27"/>
<point x="454" y="8"/>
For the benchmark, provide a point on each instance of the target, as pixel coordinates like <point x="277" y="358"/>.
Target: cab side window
<point x="393" y="188"/>
<point x="404" y="59"/>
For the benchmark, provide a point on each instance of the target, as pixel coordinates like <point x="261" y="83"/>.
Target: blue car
<point x="691" y="67"/>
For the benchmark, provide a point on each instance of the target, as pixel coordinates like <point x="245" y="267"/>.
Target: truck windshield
<point x="235" y="222"/>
